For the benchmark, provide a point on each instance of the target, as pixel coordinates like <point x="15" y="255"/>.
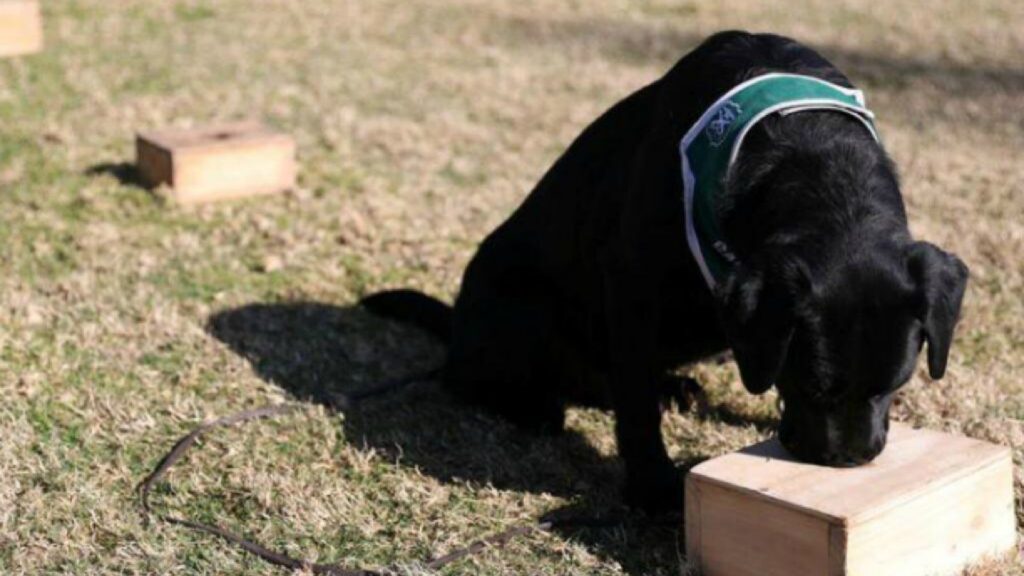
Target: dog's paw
<point x="658" y="491"/>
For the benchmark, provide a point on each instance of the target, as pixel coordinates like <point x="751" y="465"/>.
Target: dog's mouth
<point x="807" y="438"/>
<point x="832" y="459"/>
<point x="847" y="457"/>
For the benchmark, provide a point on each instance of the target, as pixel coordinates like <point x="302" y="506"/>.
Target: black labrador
<point x="588" y="295"/>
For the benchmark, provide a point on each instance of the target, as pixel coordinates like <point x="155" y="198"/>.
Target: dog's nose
<point x="866" y="455"/>
<point x="875" y="447"/>
<point x="854" y="457"/>
<point x="836" y="458"/>
<point x="844" y="460"/>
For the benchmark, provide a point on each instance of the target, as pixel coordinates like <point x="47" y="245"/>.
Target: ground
<point x="125" y="320"/>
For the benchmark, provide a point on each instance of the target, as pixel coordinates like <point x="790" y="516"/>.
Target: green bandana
<point x="710" y="147"/>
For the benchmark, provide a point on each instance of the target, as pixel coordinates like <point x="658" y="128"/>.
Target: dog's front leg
<point x="652" y="482"/>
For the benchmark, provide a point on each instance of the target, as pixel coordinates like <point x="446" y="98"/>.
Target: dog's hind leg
<point x="503" y="354"/>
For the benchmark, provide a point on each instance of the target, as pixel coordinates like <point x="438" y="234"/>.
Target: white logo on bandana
<point x="720" y="123"/>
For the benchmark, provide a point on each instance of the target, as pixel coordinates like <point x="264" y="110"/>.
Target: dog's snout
<point x="857" y="455"/>
<point x="876" y="446"/>
<point x="841" y="460"/>
<point x="839" y="456"/>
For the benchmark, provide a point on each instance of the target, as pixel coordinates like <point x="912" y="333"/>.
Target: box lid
<point x="225" y="135"/>
<point x="913" y="463"/>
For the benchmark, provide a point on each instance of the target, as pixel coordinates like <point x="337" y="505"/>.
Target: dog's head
<point x="840" y="341"/>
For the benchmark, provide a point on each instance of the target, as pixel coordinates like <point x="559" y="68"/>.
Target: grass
<point x="124" y="321"/>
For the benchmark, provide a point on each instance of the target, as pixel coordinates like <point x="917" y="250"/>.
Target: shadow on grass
<point x="124" y="172"/>
<point x="319" y="353"/>
<point x="907" y="88"/>
<point x="644" y="43"/>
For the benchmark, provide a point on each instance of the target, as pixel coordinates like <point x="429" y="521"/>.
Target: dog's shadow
<point x="124" y="172"/>
<point x="321" y="353"/>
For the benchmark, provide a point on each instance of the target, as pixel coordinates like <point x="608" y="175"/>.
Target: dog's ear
<point x="758" y="319"/>
<point x="941" y="279"/>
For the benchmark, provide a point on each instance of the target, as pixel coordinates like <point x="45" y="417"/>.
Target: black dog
<point x="588" y="294"/>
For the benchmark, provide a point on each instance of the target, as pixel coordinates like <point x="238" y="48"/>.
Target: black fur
<point x="428" y="313"/>
<point x="588" y="294"/>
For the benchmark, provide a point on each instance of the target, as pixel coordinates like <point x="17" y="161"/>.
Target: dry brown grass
<point x="422" y="124"/>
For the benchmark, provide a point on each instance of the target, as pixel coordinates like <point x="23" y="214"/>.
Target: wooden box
<point x="929" y="505"/>
<point x="217" y="162"/>
<point x="21" y="27"/>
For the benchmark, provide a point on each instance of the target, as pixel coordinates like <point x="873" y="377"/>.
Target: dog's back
<point x="567" y="225"/>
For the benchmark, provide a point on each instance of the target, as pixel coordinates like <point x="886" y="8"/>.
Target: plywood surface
<point x="21" y="29"/>
<point x="914" y="462"/>
<point x="740" y="536"/>
<point x="941" y="532"/>
<point x="217" y="162"/>
<point x="212" y="137"/>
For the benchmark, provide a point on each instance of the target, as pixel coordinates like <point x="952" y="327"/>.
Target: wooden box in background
<point x="21" y="27"/>
<point x="217" y="162"/>
<point x="930" y="504"/>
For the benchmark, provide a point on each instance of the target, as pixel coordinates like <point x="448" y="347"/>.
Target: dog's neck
<point x="802" y="182"/>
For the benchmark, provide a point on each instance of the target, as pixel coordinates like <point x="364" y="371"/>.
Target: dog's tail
<point x="413" y="307"/>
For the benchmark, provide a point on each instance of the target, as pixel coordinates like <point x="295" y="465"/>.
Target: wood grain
<point x="931" y="504"/>
<point x="940" y="532"/>
<point x="21" y="27"/>
<point x="740" y="536"/>
<point x="217" y="162"/>
<point x="913" y="462"/>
